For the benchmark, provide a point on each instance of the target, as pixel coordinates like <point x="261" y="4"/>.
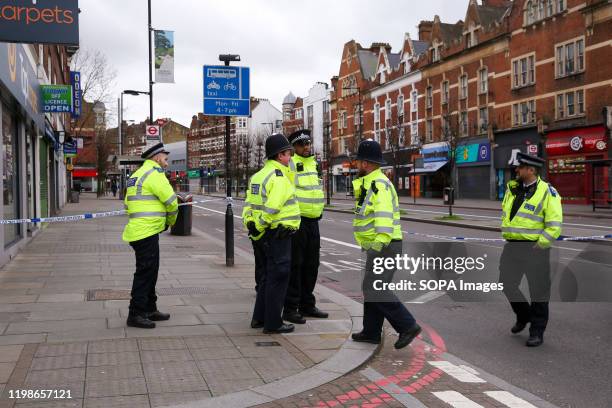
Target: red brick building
<point x="293" y="114"/>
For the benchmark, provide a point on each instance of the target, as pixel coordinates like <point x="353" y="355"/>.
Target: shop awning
<point x="84" y="173"/>
<point x="430" y="167"/>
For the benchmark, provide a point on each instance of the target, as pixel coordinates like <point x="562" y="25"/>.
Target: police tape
<point x="86" y="216"/>
<point x="474" y="239"/>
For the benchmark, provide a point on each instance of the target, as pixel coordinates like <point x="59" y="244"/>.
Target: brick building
<point x="135" y="141"/>
<point x="293" y="114"/>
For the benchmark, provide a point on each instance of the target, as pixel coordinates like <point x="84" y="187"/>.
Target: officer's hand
<point x="252" y="229"/>
<point x="377" y="246"/>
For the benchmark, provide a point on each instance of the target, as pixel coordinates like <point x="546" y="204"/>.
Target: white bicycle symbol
<point x="229" y="87"/>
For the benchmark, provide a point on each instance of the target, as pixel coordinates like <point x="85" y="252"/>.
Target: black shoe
<point x="294" y="317"/>
<point x="406" y="337"/>
<point x="518" y="327"/>
<point x="314" y="312"/>
<point x="364" y="338"/>
<point x="535" y="340"/>
<point x="256" y="324"/>
<point x="284" y="328"/>
<point x="158" y="316"/>
<point x="140" y="321"/>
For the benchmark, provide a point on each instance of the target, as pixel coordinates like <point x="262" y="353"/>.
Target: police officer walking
<point x="306" y="243"/>
<point x="152" y="207"/>
<point x="532" y="217"/>
<point x="377" y="230"/>
<point x="271" y="215"/>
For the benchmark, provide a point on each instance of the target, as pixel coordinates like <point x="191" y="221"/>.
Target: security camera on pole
<point x="227" y="93"/>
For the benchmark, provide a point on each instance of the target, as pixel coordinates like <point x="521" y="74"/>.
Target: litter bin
<point x="449" y="196"/>
<point x="74" y="196"/>
<point x="184" y="217"/>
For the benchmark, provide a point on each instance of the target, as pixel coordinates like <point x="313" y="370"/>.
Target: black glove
<point x="252" y="229"/>
<point x="284" y="232"/>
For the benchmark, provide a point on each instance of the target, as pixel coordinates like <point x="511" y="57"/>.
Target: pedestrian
<point x="272" y="216"/>
<point x="152" y="207"/>
<point x="114" y="188"/>
<point x="306" y="243"/>
<point x="377" y="230"/>
<point x="532" y="217"/>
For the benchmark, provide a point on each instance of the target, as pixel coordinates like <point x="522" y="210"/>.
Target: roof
<point x="420" y="47"/>
<point x="368" y="62"/>
<point x="451" y="32"/>
<point x="290" y="98"/>
<point x="490" y="14"/>
<point x="394" y="60"/>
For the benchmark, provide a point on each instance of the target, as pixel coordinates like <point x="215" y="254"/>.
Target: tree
<point x="453" y="127"/>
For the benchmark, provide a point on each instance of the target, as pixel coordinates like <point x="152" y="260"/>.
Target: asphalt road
<point x="571" y="369"/>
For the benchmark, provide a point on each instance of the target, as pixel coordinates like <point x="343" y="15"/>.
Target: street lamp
<point x="229" y="214"/>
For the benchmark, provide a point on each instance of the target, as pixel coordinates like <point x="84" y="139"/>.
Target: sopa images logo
<point x="36" y="15"/>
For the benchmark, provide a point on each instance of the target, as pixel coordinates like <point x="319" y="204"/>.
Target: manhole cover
<point x="267" y="344"/>
<point x="114" y="294"/>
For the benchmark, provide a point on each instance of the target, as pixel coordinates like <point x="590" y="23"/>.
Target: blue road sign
<point x="226" y="91"/>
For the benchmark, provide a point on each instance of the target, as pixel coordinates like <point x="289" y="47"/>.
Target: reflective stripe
<point x="271" y="211"/>
<point x="541" y="204"/>
<point x="306" y="174"/>
<point x="171" y="213"/>
<point x="292" y="218"/>
<point x="395" y="199"/>
<point x="381" y="230"/>
<point x="142" y="198"/>
<point x="291" y="201"/>
<point x="291" y="165"/>
<point x="147" y="214"/>
<point x="553" y="224"/>
<point x="521" y="230"/>
<point x="503" y="214"/>
<point x="310" y="188"/>
<point x="309" y="200"/>
<point x="366" y="201"/>
<point x="362" y="228"/>
<point x="170" y="200"/>
<point x="264" y="195"/>
<point x="397" y="222"/>
<point x="377" y="214"/>
<point x="142" y="180"/>
<point x="530" y="216"/>
<point x="256" y="206"/>
<point x="262" y="222"/>
<point x="548" y="236"/>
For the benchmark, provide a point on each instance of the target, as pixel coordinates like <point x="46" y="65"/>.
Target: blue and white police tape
<point x="79" y="217"/>
<point x="474" y="239"/>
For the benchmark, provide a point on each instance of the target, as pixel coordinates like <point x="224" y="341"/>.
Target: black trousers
<point x="144" y="299"/>
<point x="378" y="306"/>
<point x="273" y="283"/>
<point x="305" y="247"/>
<point x="260" y="260"/>
<point x="520" y="259"/>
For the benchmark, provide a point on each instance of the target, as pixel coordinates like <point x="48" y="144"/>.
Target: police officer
<point x="272" y="215"/>
<point x="152" y="207"/>
<point x="306" y="243"/>
<point x="531" y="220"/>
<point x="378" y="231"/>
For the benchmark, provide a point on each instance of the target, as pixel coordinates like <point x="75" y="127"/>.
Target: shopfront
<point x="566" y="151"/>
<point x="473" y="160"/>
<point x="85" y="179"/>
<point x="434" y="173"/>
<point x="507" y="145"/>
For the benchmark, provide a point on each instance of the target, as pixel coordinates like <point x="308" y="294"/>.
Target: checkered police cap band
<point x="300" y="138"/>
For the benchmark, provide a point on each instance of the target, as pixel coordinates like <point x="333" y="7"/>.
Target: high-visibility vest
<point x="377" y="213"/>
<point x="150" y="202"/>
<point x="308" y="185"/>
<point x="271" y="199"/>
<point x="539" y="219"/>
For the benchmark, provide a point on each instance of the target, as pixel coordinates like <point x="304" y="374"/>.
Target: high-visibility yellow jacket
<point x="308" y="185"/>
<point x="150" y="202"/>
<point x="271" y="200"/>
<point x="377" y="213"/>
<point x="539" y="219"/>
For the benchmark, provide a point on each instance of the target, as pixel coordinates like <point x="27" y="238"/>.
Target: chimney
<point x="425" y="30"/>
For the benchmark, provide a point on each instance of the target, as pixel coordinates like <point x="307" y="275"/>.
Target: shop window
<point x="10" y="175"/>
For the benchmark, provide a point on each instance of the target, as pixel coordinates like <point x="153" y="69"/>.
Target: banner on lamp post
<point x="164" y="56"/>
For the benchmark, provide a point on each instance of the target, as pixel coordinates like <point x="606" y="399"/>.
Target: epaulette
<point x="552" y="191"/>
<point x="159" y="170"/>
<point x="279" y="173"/>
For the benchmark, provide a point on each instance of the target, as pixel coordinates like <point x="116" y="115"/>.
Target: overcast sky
<point x="289" y="45"/>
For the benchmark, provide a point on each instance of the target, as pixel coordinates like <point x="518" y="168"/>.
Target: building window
<point x="523" y="71"/>
<point x="570" y="58"/>
<point x="388" y="111"/>
<point x="414" y="100"/>
<point x="436" y="51"/>
<point x="429" y="130"/>
<point x="400" y="105"/>
<point x="445" y="92"/>
<point x="570" y="104"/>
<point x="414" y="133"/>
<point x="561" y="5"/>
<point x="445" y="127"/>
<point x="356" y="115"/>
<point x="463" y="86"/>
<point x="483" y="120"/>
<point x="470" y="37"/>
<point x="309" y="116"/>
<point x="429" y="97"/>
<point x="401" y="138"/>
<point x="464" y="125"/>
<point x="377" y="122"/>
<point x="483" y="81"/>
<point x="536" y="10"/>
<point x="523" y="113"/>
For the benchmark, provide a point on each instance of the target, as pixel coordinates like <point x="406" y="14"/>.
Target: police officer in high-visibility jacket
<point x="306" y="243"/>
<point x="531" y="220"/>
<point x="152" y="207"/>
<point x="271" y="214"/>
<point x="377" y="230"/>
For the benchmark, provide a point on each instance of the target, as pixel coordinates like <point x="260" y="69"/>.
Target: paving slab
<point x="10" y="354"/>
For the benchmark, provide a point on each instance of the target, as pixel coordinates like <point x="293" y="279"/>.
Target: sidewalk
<point x="63" y="307"/>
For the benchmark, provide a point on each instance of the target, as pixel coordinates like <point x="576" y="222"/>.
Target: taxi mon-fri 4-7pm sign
<point x="40" y="21"/>
<point x="226" y="91"/>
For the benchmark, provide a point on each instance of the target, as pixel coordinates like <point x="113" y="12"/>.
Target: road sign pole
<point x="229" y="213"/>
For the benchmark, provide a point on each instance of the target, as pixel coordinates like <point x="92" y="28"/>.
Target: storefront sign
<point x="70" y="148"/>
<point x="18" y="75"/>
<point x="509" y="144"/>
<point x="77" y="93"/>
<point x="579" y="141"/>
<point x="435" y="152"/>
<point x="40" y="21"/>
<point x="473" y="153"/>
<point x="56" y="98"/>
<point x="193" y="174"/>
